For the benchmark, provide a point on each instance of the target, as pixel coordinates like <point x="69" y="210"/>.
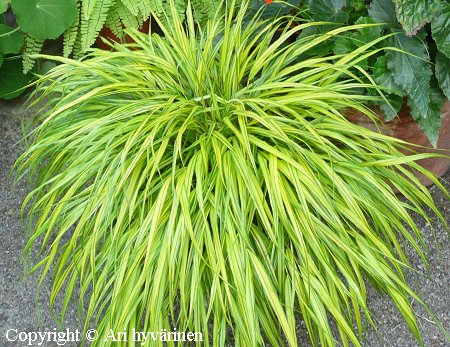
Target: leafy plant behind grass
<point x="422" y="30"/>
<point x="78" y="23"/>
<point x="207" y="180"/>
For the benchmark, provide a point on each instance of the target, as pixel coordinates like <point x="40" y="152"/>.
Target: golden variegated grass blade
<point x="206" y="180"/>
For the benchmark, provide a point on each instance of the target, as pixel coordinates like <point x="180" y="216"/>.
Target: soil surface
<point x="22" y="310"/>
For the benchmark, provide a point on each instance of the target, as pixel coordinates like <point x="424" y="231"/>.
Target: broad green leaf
<point x="414" y="14"/>
<point x="358" y="5"/>
<point x="11" y="40"/>
<point x="432" y="123"/>
<point x="355" y="10"/>
<point x="348" y="42"/>
<point x="384" y="77"/>
<point x="322" y="48"/>
<point x="3" y="6"/>
<point x="12" y="80"/>
<point x="328" y="10"/>
<point x="391" y="107"/>
<point x="368" y="34"/>
<point x="273" y="9"/>
<point x="1" y="59"/>
<point x="344" y="44"/>
<point x="44" y="19"/>
<point x="442" y="72"/>
<point x="440" y="29"/>
<point x="382" y="11"/>
<point x="326" y="6"/>
<point x="411" y="71"/>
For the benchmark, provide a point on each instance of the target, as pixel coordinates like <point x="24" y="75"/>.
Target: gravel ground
<point x="18" y="301"/>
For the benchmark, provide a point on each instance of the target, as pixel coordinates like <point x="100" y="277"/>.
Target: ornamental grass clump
<point x="206" y="180"/>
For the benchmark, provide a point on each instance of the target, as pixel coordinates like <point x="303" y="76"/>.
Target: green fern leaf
<point x="180" y="6"/>
<point x="157" y="6"/>
<point x="88" y="7"/>
<point x="77" y="45"/>
<point x="71" y="34"/>
<point x="132" y="6"/>
<point x="140" y="20"/>
<point x="205" y="9"/>
<point x="32" y="46"/>
<point x="92" y="26"/>
<point x="114" y="23"/>
<point x="145" y="8"/>
<point x="200" y="9"/>
<point x="127" y="18"/>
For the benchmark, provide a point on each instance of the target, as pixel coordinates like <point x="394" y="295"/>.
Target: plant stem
<point x="10" y="32"/>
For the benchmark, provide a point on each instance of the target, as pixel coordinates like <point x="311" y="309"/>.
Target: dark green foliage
<point x="414" y="14"/>
<point x="37" y="20"/>
<point x="433" y="116"/>
<point x="80" y="22"/>
<point x="12" y="80"/>
<point x="11" y="40"/>
<point x="440" y="28"/>
<point x="406" y="67"/>
<point x="443" y="72"/>
<point x="411" y="72"/>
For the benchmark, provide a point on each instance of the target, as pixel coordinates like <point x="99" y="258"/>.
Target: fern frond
<point x="127" y="18"/>
<point x="140" y="20"/>
<point x="156" y="6"/>
<point x="114" y="23"/>
<point x="32" y="46"/>
<point x="201" y="9"/>
<point x="91" y="27"/>
<point x="132" y="6"/>
<point x="71" y="34"/>
<point x="180" y="6"/>
<point x="88" y="7"/>
<point x="145" y="8"/>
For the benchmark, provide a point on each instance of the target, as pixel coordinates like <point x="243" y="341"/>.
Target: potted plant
<point x="416" y="84"/>
<point x="208" y="180"/>
<point x="26" y="26"/>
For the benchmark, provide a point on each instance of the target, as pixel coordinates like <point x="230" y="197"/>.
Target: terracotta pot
<point x="403" y="127"/>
